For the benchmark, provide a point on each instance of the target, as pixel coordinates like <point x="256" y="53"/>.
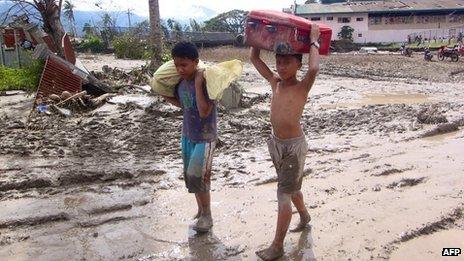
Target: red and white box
<point x="283" y="33"/>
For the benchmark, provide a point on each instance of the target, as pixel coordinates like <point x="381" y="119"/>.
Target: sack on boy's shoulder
<point x="166" y="78"/>
<point x="218" y="77"/>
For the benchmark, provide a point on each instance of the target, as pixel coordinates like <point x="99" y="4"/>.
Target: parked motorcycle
<point x="460" y="49"/>
<point x="406" y="51"/>
<point x="428" y="55"/>
<point x="445" y="52"/>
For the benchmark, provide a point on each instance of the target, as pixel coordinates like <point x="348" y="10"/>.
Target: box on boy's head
<point x="283" y="33"/>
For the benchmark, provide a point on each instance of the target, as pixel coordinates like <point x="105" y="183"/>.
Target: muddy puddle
<point x="442" y="137"/>
<point x="382" y="99"/>
<point x="430" y="247"/>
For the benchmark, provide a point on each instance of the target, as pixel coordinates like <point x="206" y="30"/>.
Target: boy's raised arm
<point x="262" y="68"/>
<point x="313" y="62"/>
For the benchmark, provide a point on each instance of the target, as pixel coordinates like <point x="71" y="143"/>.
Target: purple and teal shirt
<point x="195" y="128"/>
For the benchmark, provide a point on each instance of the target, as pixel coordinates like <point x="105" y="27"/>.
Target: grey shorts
<point x="289" y="157"/>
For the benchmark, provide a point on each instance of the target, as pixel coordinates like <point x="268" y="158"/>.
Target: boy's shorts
<point x="198" y="159"/>
<point x="289" y="157"/>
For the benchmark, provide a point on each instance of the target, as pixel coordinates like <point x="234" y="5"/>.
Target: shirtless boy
<point x="287" y="144"/>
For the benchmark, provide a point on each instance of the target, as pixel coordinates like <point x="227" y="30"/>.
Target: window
<point x="344" y="20"/>
<point x="315" y="19"/>
<point x="330" y="18"/>
<point x="360" y="35"/>
<point x="375" y="20"/>
<point x="359" y="19"/>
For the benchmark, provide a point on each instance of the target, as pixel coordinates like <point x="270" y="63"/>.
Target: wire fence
<point x="442" y="35"/>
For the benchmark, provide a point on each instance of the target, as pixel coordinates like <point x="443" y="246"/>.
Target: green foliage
<point x="232" y="21"/>
<point x="195" y="26"/>
<point x="108" y="29"/>
<point x="68" y="13"/>
<point x="141" y="29"/>
<point x="135" y="44"/>
<point x="26" y="78"/>
<point x="88" y="30"/>
<point x="346" y="33"/>
<point x="93" y="44"/>
<point x="130" y="47"/>
<point x="165" y="56"/>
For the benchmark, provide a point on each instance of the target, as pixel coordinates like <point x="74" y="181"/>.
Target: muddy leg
<point x="199" y="207"/>
<point x="276" y="249"/>
<point x="297" y="200"/>
<point x="205" y="221"/>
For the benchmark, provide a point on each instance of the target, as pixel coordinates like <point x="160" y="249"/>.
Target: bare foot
<point x="304" y="220"/>
<point x="270" y="253"/>
<point x="204" y="224"/>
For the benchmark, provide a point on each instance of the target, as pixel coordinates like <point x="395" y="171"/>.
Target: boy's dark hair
<point x="185" y="50"/>
<point x="298" y="56"/>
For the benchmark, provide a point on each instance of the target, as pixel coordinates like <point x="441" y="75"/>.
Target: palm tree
<point x="155" y="34"/>
<point x="68" y="9"/>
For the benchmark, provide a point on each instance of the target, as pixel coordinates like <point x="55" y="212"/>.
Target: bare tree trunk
<point x="50" y="12"/>
<point x="155" y="34"/>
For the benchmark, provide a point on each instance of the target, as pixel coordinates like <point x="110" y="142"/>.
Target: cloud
<point x="180" y="8"/>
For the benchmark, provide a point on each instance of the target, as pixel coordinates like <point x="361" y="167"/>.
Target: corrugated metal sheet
<point x="9" y="36"/>
<point x="56" y="78"/>
<point x="381" y="6"/>
<point x="322" y="9"/>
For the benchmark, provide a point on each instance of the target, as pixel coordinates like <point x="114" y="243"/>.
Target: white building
<point x="388" y="21"/>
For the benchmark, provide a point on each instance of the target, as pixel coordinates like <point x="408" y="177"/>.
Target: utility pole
<point x="129" y="13"/>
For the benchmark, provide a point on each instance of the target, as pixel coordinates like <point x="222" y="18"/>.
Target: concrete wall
<point x="360" y="27"/>
<point x="386" y="30"/>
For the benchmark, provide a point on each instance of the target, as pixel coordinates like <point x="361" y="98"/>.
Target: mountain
<point x="199" y="13"/>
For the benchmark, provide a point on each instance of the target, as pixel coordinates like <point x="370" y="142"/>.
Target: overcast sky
<point x="174" y="8"/>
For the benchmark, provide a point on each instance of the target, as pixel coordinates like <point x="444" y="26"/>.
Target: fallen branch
<point x="75" y="96"/>
<point x="100" y="99"/>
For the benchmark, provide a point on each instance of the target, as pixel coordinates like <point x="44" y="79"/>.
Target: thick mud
<point x="385" y="158"/>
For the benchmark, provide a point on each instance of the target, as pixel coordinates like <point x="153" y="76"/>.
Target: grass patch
<point x="26" y="78"/>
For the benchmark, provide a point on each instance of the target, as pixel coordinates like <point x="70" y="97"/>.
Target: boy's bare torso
<point x="287" y="104"/>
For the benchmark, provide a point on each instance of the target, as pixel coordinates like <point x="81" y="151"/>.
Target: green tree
<point x="142" y="29"/>
<point x="232" y="21"/>
<point x="195" y="26"/>
<point x="108" y="31"/>
<point x="68" y="12"/>
<point x="87" y="30"/>
<point x="346" y="33"/>
<point x="311" y="2"/>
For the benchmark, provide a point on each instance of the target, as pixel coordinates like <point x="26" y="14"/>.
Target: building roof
<point x="388" y="6"/>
